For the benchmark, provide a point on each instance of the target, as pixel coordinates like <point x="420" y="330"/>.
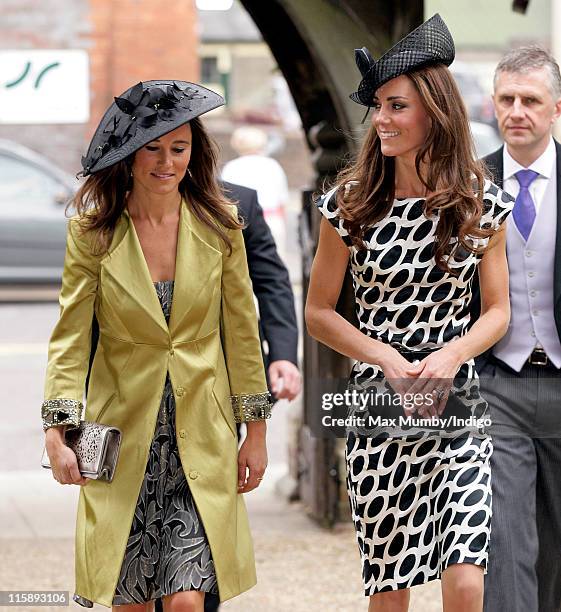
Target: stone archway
<point x="312" y="42"/>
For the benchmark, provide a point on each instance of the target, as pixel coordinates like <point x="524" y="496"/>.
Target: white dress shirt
<point x="544" y="166"/>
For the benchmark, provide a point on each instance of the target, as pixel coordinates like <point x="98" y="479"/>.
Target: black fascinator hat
<point x="430" y="43"/>
<point x="141" y="114"/>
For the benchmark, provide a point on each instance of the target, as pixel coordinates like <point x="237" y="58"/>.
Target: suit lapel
<point x="194" y="261"/>
<point x="128" y="267"/>
<point x="494" y="163"/>
<point x="195" y="258"/>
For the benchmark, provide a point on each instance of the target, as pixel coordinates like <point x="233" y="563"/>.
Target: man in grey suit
<point x="523" y="368"/>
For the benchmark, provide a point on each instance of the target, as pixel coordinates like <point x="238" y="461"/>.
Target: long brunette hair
<point x="101" y="200"/>
<point x="454" y="180"/>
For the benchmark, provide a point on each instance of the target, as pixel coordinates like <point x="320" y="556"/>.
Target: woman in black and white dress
<point x="415" y="218"/>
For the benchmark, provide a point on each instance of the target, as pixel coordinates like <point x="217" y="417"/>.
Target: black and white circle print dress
<point x="422" y="503"/>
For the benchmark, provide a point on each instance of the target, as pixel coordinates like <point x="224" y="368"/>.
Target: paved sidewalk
<point x="301" y="567"/>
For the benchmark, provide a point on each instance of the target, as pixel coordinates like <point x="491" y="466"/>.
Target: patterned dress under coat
<point x="167" y="550"/>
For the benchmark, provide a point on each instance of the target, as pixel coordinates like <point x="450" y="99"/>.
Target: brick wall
<point x="127" y="41"/>
<point x="139" y="40"/>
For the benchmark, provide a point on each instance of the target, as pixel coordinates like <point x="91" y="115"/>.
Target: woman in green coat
<point x="156" y="253"/>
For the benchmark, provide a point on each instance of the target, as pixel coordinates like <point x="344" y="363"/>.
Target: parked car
<point x="33" y="196"/>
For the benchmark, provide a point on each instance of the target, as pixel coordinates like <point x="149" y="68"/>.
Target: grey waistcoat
<point x="531" y="287"/>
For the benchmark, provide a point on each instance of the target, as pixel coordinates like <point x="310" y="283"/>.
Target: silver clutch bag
<point x="96" y="448"/>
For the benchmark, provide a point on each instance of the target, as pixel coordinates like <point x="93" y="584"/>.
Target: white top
<point x="263" y="174"/>
<point x="544" y="166"/>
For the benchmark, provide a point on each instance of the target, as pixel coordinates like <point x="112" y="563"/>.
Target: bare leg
<point x="462" y="588"/>
<point x="389" y="601"/>
<point x="185" y="601"/>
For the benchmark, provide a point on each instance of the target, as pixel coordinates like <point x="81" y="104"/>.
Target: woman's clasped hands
<point x="423" y="385"/>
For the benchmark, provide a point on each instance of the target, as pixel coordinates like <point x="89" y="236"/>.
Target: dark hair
<point x="454" y="181"/>
<point x="100" y="201"/>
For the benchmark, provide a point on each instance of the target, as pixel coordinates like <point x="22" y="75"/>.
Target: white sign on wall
<point x="44" y="86"/>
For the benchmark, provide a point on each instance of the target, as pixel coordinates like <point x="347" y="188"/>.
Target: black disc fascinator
<point x="141" y="114"/>
<point x="430" y="43"/>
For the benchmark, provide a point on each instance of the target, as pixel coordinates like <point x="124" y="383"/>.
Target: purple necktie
<point x="524" y="211"/>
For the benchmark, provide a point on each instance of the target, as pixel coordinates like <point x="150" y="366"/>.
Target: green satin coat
<point x="211" y="350"/>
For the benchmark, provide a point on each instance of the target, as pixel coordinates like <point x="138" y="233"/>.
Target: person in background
<point x="271" y="285"/>
<point x="256" y="170"/>
<point x="277" y="318"/>
<point x="524" y="367"/>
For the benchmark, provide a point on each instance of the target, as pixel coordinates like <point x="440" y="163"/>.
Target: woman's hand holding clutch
<point x="63" y="460"/>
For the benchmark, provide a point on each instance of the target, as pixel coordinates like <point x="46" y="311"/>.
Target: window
<point x="209" y="70"/>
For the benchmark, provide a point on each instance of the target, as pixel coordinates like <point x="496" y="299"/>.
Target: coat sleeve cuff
<point x="251" y="407"/>
<point x="56" y="412"/>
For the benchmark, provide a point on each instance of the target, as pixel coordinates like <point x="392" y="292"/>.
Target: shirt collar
<point x="543" y="165"/>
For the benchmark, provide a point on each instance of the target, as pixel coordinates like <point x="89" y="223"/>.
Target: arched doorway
<point x="312" y="43"/>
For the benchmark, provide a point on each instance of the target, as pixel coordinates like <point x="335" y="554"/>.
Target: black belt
<point x="538" y="358"/>
<point x="412" y="354"/>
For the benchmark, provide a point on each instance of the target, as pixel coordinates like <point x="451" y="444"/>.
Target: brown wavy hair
<point x="101" y="199"/>
<point x="454" y="179"/>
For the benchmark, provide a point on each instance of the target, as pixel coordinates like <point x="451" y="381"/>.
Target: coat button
<point x="181" y="433"/>
<point x="179" y="391"/>
<point x="171" y="352"/>
<point x="193" y="475"/>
